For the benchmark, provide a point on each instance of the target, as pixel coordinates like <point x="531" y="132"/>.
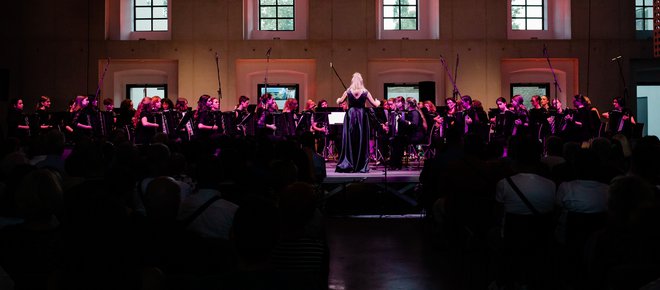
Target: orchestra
<point x="396" y="125"/>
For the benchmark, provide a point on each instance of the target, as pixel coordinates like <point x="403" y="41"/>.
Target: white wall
<point x="651" y="118"/>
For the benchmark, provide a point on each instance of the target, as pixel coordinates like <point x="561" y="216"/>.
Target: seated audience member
<point x="214" y="215"/>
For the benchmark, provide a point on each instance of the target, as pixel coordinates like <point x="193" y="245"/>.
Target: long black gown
<point x="354" y="156"/>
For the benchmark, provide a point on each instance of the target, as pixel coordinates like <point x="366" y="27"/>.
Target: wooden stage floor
<point x="376" y="174"/>
<point x="376" y="192"/>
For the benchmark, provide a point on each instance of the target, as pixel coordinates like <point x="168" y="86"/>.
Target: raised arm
<point x="373" y="101"/>
<point x="342" y="98"/>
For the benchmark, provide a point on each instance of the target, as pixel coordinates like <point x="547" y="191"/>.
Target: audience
<point x="243" y="213"/>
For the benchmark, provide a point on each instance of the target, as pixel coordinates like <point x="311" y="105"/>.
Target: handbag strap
<point x="185" y="223"/>
<point x="522" y="196"/>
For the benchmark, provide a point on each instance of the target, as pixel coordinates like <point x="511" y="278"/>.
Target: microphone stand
<point x="217" y="68"/>
<point x="547" y="57"/>
<point x="100" y="84"/>
<point x="453" y="82"/>
<point x="623" y="79"/>
<point x="266" y="75"/>
<point x="455" y="92"/>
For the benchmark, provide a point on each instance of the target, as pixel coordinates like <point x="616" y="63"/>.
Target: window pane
<point x="518" y="24"/>
<point x="285" y="24"/>
<point x="143" y="25"/>
<point x="534" y="2"/>
<point x="639" y="2"/>
<point x="409" y="24"/>
<point x="639" y="12"/>
<point x="267" y="2"/>
<point x="268" y="24"/>
<point x="390" y="11"/>
<point x="649" y="24"/>
<point x="390" y="2"/>
<point x="535" y="12"/>
<point x="268" y="12"/>
<point x="142" y="2"/>
<point x="517" y="2"/>
<point x="285" y="12"/>
<point x="390" y="24"/>
<point x="285" y="2"/>
<point x="648" y="12"/>
<point x="408" y="11"/>
<point x="517" y="11"/>
<point x="160" y="25"/>
<point x="639" y="24"/>
<point x="534" y="24"/>
<point x="160" y="12"/>
<point x="648" y="2"/>
<point x="160" y="2"/>
<point x="408" y="2"/>
<point x="142" y="12"/>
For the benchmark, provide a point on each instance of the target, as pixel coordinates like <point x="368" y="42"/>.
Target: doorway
<point x="136" y="92"/>
<point x="648" y="100"/>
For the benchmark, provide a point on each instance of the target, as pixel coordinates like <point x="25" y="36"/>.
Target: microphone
<point x="331" y="64"/>
<point x="268" y="52"/>
<point x="216" y="55"/>
<point x="545" y="49"/>
<point x="616" y="58"/>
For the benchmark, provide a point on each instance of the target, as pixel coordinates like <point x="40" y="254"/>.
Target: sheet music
<point x="336" y="118"/>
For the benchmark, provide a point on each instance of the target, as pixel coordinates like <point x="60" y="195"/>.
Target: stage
<point x="378" y="191"/>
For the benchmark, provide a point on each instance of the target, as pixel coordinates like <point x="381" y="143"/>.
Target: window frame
<point x="277" y="18"/>
<point x="399" y="17"/>
<point x="428" y="22"/>
<point x="251" y="22"/>
<point x="644" y="19"/>
<point x="543" y="18"/>
<point x="557" y="22"/>
<point x="151" y="7"/>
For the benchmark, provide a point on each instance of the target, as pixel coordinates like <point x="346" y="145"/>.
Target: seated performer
<point x="107" y="118"/>
<point x="184" y="119"/>
<point x="474" y="116"/>
<point x="18" y="124"/>
<point x="501" y="123"/>
<point x="241" y="115"/>
<point x="520" y="116"/>
<point x="84" y="117"/>
<point x="417" y="126"/>
<point x="620" y="120"/>
<point x="264" y="114"/>
<point x="396" y="130"/>
<point x="290" y="118"/>
<point x="146" y="126"/>
<point x="42" y="120"/>
<point x="209" y="122"/>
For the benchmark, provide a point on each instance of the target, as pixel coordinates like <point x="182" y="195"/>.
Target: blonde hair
<point x="357" y="83"/>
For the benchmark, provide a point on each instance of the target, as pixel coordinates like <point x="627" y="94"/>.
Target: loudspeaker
<point x="427" y="91"/>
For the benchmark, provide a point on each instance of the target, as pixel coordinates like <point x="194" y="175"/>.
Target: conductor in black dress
<point x="354" y="156"/>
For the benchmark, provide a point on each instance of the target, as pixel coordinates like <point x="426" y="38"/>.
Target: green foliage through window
<point x="527" y="15"/>
<point x="400" y="15"/>
<point x="277" y="15"/>
<point x="150" y="15"/>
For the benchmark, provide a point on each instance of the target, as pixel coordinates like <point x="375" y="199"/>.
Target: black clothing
<point x="354" y="156"/>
